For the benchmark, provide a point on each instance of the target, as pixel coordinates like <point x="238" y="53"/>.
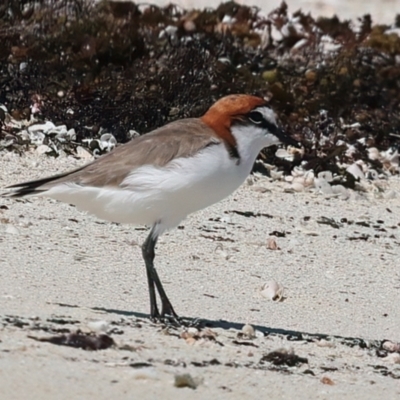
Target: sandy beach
<point x="63" y="271"/>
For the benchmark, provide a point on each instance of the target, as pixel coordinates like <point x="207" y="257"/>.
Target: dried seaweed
<point x="118" y="67"/>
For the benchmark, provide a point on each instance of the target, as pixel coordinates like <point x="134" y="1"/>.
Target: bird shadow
<point x="290" y="335"/>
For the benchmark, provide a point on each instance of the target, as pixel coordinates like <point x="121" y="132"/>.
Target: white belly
<point x="164" y="195"/>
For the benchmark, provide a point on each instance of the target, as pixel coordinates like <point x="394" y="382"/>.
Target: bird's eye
<point x="256" y="117"/>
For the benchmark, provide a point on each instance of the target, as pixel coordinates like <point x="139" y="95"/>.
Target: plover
<point x="159" y="178"/>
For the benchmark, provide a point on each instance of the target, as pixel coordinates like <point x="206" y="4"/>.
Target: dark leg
<point x="154" y="281"/>
<point x="148" y="255"/>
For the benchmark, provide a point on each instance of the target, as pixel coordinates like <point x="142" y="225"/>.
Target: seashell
<point x="289" y="178"/>
<point x="327" y="175"/>
<point x="339" y="189"/>
<point x="391" y="194"/>
<point x="271" y="243"/>
<point x="356" y="171"/>
<point x="83" y="153"/>
<point x="393" y="358"/>
<point x="107" y="142"/>
<point x="71" y="134"/>
<point x="297" y="186"/>
<point x="309" y="178"/>
<point x="24" y="135"/>
<point x="60" y="131"/>
<point x="47" y="126"/>
<point x="132" y="134"/>
<point x="374" y="154"/>
<point x="98" y="326"/>
<point x="37" y="137"/>
<point x="259" y="334"/>
<point x="325" y="343"/>
<point x="219" y="250"/>
<point x="276" y="175"/>
<point x="192" y="331"/>
<point x="272" y="290"/>
<point x="250" y="181"/>
<point x="249" y="331"/>
<point x="43" y="149"/>
<point x="168" y="31"/>
<point x="12" y="230"/>
<point x="372" y="174"/>
<point x="323" y="186"/>
<point x="351" y="151"/>
<point x="282" y="153"/>
<point x="391" y="346"/>
<point x="297" y="171"/>
<point x="327" y="381"/>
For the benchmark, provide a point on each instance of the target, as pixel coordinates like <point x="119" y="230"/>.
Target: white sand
<point x="58" y="262"/>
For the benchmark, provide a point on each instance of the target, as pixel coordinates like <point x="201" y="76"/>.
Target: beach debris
<point x="272" y="290"/>
<point x="283" y="357"/>
<point x="391" y="346"/>
<point x="98" y="326"/>
<point x="271" y="243"/>
<point x="186" y="380"/>
<point x="327" y="381"/>
<point x="79" y="340"/>
<point x="248" y="331"/>
<point x="193" y="335"/>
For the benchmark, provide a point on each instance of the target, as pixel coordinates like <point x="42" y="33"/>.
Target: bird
<point x="161" y="177"/>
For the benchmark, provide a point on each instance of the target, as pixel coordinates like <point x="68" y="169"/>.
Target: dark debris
<point x="120" y="67"/>
<point x="279" y="358"/>
<point x="85" y="341"/>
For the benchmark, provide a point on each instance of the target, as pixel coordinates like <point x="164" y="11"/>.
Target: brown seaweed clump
<point x="117" y="66"/>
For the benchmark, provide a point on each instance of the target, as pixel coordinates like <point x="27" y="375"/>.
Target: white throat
<point x="250" y="141"/>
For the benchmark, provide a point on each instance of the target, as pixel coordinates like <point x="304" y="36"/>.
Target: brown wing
<point x="178" y="139"/>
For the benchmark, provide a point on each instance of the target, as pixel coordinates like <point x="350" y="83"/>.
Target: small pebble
<point x="185" y="380"/>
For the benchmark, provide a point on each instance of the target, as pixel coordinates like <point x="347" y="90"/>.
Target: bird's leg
<point x="166" y="307"/>
<point x="154" y="281"/>
<point x="148" y="256"/>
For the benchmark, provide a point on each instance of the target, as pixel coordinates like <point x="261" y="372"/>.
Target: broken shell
<point x="192" y="331"/>
<point x="373" y="153"/>
<point x="393" y="358"/>
<point x="289" y="178"/>
<point x="339" y="189"/>
<point x="297" y="171"/>
<point x="390" y="195"/>
<point x="107" y="142"/>
<point x="327" y="175"/>
<point x="322" y="186"/>
<point x="98" y="326"/>
<point x="372" y="174"/>
<point x="271" y="243"/>
<point x="356" y="171"/>
<point x="43" y="149"/>
<point x="391" y="346"/>
<point x="272" y="290"/>
<point x="282" y="153"/>
<point x="276" y="175"/>
<point x="83" y="153"/>
<point x="47" y="126"/>
<point x="325" y="343"/>
<point x="297" y="186"/>
<point x="248" y="331"/>
<point x="309" y="178"/>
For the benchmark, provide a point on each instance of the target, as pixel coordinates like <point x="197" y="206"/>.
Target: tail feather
<point x="38" y="186"/>
<point x="35" y="187"/>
